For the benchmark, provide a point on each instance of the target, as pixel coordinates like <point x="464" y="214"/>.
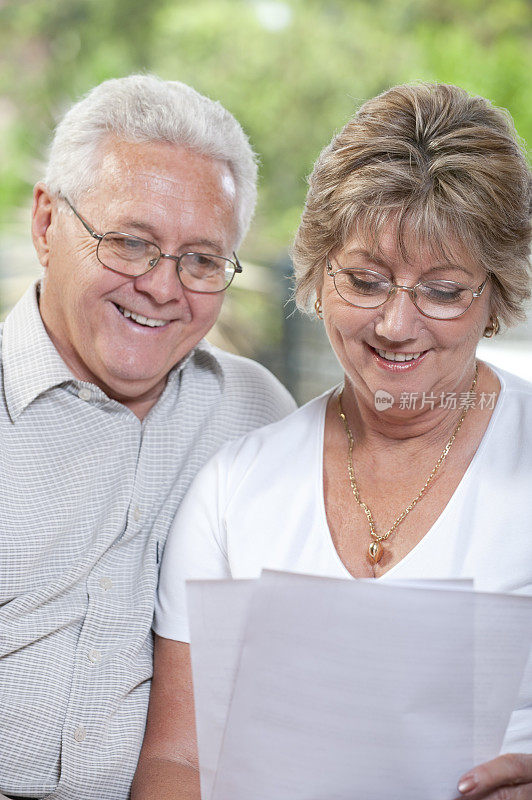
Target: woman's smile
<point x="397" y="361"/>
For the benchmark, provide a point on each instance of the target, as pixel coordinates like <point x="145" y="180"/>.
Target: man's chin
<point x="131" y="385"/>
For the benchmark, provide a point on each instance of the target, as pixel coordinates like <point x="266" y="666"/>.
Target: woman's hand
<point x="507" y="777"/>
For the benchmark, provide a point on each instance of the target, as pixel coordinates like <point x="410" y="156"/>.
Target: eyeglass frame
<point x="394" y="287"/>
<point x="99" y="236"/>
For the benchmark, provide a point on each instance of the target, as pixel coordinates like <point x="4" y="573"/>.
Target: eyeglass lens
<point x="129" y="255"/>
<point x="437" y="299"/>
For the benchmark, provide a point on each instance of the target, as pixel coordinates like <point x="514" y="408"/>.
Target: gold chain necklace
<point x="375" y="549"/>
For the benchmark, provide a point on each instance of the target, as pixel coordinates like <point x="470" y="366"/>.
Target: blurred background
<point x="292" y="72"/>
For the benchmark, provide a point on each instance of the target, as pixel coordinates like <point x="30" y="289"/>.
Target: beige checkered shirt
<point x="87" y="494"/>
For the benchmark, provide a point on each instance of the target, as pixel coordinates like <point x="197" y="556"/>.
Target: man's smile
<point x="149" y="322"/>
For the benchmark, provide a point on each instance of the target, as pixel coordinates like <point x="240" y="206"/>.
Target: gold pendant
<point x="375" y="551"/>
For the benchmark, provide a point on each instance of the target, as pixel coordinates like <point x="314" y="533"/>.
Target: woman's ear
<point x="42" y="214"/>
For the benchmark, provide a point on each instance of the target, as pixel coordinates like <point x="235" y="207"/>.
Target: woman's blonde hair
<point x="436" y="164"/>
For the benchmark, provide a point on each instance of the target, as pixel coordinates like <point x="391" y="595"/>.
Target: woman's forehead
<point x="394" y="243"/>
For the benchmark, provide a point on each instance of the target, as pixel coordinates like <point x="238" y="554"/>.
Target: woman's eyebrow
<point x="376" y="259"/>
<point x="449" y="266"/>
<point x="364" y="253"/>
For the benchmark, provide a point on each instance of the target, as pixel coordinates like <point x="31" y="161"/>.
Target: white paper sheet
<point x="343" y="692"/>
<point x="217" y="613"/>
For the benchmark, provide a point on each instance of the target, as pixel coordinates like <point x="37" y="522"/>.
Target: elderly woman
<point x="413" y="245"/>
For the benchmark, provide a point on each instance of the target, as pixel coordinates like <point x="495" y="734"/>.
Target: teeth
<point x="389" y="356"/>
<point x="151" y="323"/>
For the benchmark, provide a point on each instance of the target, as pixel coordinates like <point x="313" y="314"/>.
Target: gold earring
<point x="493" y="328"/>
<point x="317" y="308"/>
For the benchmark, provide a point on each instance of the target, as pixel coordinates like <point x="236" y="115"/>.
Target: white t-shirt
<point x="259" y="503"/>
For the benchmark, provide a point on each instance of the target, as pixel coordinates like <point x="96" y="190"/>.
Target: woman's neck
<point x="427" y="426"/>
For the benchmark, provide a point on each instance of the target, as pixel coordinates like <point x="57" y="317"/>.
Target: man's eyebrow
<point x="146" y="231"/>
<point x="142" y="228"/>
<point x="207" y="243"/>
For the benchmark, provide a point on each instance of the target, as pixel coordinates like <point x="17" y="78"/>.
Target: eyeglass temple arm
<point x="481" y="287"/>
<point x="238" y="265"/>
<point x="85" y="224"/>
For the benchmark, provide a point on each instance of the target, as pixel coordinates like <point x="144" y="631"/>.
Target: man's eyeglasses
<point x="133" y="256"/>
<point x="437" y="299"/>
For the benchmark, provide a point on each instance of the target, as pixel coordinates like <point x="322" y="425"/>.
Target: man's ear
<point x="42" y="214"/>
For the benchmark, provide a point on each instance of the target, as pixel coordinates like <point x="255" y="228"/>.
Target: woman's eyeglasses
<point x="437" y="299"/>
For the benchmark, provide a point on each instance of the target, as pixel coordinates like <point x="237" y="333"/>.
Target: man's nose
<point x="161" y="282"/>
<point x="399" y="319"/>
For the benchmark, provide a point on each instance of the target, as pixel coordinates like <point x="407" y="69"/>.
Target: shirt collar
<point x="32" y="364"/>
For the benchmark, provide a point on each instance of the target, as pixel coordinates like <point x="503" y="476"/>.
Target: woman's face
<point x="371" y="343"/>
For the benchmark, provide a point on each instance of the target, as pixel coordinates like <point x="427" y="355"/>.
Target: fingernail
<point x="467" y="784"/>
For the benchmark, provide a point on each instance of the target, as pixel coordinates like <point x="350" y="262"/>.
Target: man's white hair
<point x="144" y="108"/>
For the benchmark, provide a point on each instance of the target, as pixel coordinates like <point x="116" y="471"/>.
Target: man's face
<point x="182" y="201"/>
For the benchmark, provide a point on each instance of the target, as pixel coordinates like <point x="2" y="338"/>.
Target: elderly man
<point x="111" y="403"/>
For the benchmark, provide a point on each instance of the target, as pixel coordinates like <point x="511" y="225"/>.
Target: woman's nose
<point x="399" y="319"/>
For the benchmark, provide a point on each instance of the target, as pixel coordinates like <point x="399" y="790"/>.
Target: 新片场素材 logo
<point x="383" y="400"/>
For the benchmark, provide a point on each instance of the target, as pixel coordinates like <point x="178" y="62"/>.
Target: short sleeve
<point x="195" y="550"/>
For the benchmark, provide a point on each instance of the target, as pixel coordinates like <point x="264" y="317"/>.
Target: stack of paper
<point x="311" y="688"/>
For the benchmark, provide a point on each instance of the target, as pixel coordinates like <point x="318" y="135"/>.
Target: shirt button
<point x="80" y="734"/>
<point x="137" y="513"/>
<point x="106" y="583"/>
<point x="94" y="656"/>
<point x="84" y="393"/>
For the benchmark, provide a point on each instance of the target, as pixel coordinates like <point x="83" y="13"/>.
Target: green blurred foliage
<point x="292" y="72"/>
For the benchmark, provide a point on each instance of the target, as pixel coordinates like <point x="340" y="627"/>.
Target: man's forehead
<point x="147" y="185"/>
<point x="160" y="164"/>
